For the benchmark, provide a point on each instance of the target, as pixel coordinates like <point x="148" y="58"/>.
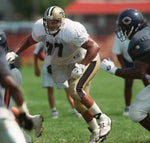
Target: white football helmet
<point x="55" y="14"/>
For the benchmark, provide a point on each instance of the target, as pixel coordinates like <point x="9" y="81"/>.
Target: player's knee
<point x="73" y="94"/>
<point x="136" y="114"/>
<point x="77" y="91"/>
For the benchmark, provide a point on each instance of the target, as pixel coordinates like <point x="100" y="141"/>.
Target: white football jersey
<point x="39" y="47"/>
<point x="64" y="49"/>
<point x="121" y="48"/>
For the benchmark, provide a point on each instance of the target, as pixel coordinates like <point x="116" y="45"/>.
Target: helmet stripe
<point x="47" y="11"/>
<point x="51" y="10"/>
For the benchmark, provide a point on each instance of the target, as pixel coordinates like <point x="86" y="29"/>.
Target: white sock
<point x="93" y="124"/>
<point x="95" y="109"/>
<point x="53" y="109"/>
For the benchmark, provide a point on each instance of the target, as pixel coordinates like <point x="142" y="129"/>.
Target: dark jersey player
<point x="9" y="129"/>
<point x="132" y="23"/>
<point x="6" y="96"/>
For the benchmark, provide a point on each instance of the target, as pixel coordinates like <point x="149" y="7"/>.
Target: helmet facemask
<point x="128" y="32"/>
<point x="53" y="20"/>
<point x="120" y="34"/>
<point x="130" y="22"/>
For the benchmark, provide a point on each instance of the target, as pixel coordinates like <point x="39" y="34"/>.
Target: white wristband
<point x="114" y="70"/>
<point x="23" y="108"/>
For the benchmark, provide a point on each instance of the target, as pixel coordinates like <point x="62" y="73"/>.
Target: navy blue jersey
<point x="4" y="68"/>
<point x="139" y="46"/>
<point x="3" y="41"/>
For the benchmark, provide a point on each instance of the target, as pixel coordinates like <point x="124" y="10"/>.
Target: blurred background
<point x="98" y="16"/>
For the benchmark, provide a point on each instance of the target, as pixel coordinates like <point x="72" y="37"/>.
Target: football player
<point x="5" y="92"/>
<point x="15" y="73"/>
<point x="134" y="27"/>
<point x="120" y="48"/>
<point x="74" y="56"/>
<point x="48" y="82"/>
<point x="9" y="129"/>
<point x="10" y="88"/>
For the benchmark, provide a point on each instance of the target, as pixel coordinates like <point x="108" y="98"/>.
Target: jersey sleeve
<point x="117" y="46"/>
<point x="38" y="31"/>
<point x="140" y="52"/>
<point x="79" y="35"/>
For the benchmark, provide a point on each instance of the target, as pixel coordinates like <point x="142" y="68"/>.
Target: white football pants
<point x="10" y="131"/>
<point x="141" y="106"/>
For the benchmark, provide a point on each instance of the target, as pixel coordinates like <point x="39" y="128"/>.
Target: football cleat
<point x="37" y="124"/>
<point x="95" y="136"/>
<point x="98" y="140"/>
<point x="104" y="123"/>
<point x="102" y="139"/>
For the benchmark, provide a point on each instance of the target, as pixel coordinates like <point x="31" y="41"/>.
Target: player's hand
<point x="10" y="57"/>
<point x="23" y="118"/>
<point x="108" y="66"/>
<point x="77" y="71"/>
<point x="25" y="122"/>
<point x="37" y="71"/>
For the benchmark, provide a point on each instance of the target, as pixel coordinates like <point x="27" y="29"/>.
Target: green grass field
<point x="106" y="90"/>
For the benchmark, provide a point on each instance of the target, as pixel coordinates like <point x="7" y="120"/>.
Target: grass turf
<point x="106" y="90"/>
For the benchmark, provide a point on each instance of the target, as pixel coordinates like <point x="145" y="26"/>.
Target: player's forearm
<point x="35" y="61"/>
<point x="24" y="44"/>
<point x="121" y="61"/>
<point x="130" y="73"/>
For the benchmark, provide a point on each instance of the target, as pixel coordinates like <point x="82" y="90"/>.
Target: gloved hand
<point x="108" y="66"/>
<point x="77" y="71"/>
<point x="25" y="122"/>
<point x="23" y="118"/>
<point x="10" y="57"/>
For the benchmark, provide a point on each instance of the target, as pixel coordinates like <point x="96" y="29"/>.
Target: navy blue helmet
<point x="129" y="21"/>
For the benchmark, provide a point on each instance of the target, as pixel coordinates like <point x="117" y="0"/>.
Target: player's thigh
<point x="142" y="101"/>
<point x="144" y="96"/>
<point x="10" y="131"/>
<point x="78" y="87"/>
<point x="87" y="87"/>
